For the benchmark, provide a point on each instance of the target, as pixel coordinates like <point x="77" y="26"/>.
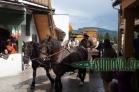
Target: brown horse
<point x="32" y="52"/>
<point x="61" y="59"/>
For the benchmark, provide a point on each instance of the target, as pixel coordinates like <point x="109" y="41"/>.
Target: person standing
<point x="109" y="52"/>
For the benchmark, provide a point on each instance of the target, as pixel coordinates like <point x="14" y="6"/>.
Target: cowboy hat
<point x="85" y="35"/>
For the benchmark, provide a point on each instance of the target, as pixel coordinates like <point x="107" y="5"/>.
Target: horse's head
<point x="49" y="47"/>
<point x="46" y="47"/>
<point x="27" y="48"/>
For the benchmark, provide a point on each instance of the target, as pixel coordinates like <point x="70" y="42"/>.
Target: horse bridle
<point x="36" y="59"/>
<point x="31" y="49"/>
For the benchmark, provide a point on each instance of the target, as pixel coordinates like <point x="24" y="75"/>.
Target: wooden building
<point x="128" y="23"/>
<point x="30" y="17"/>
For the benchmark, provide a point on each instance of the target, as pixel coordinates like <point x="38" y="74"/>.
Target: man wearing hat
<point x="87" y="44"/>
<point x="74" y="42"/>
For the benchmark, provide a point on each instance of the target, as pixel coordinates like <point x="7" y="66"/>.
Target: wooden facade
<point x="127" y="25"/>
<point x="79" y="37"/>
<point x="40" y="2"/>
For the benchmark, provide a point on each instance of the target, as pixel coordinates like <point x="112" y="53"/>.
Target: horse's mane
<point x="56" y="45"/>
<point x="35" y="46"/>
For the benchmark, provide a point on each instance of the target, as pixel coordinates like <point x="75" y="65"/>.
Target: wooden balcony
<point x="40" y="2"/>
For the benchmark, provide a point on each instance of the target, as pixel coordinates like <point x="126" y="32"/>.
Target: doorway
<point x="4" y="35"/>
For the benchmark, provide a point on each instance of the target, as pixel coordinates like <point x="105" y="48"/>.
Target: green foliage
<point x="107" y="36"/>
<point x="101" y="37"/>
<point x="111" y="38"/>
<point x="115" y="39"/>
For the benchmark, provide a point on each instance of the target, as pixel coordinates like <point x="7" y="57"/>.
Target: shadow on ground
<point x="70" y="84"/>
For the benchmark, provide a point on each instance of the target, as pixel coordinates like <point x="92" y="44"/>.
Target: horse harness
<point x="35" y="59"/>
<point x="49" y="60"/>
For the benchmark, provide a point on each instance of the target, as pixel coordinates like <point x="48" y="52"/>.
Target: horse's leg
<point x="80" y="74"/>
<point x="34" y="75"/>
<point x="49" y="76"/>
<point x="83" y="75"/>
<point x="58" y="84"/>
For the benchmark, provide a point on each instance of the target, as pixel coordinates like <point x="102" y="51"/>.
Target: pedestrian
<point x="88" y="45"/>
<point x="14" y="42"/>
<point x="10" y="47"/>
<point x="73" y="42"/>
<point x="109" y="52"/>
<point x="136" y="55"/>
<point x="4" y="55"/>
<point x="124" y="79"/>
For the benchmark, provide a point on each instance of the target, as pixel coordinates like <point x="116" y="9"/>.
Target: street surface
<point x="22" y="81"/>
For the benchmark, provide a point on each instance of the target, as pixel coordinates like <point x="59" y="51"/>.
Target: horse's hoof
<point x="32" y="87"/>
<point x="81" y="83"/>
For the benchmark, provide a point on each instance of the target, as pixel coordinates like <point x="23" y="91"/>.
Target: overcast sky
<point x="88" y="13"/>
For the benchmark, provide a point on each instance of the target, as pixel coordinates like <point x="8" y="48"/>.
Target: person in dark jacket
<point x="136" y="55"/>
<point x="109" y="52"/>
<point x="124" y="78"/>
<point x="87" y="44"/>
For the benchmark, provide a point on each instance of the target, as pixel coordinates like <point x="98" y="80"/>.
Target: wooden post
<point x="128" y="37"/>
<point x="119" y="33"/>
<point x="128" y="45"/>
<point x="119" y="39"/>
<point x="19" y="40"/>
<point x="51" y="18"/>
